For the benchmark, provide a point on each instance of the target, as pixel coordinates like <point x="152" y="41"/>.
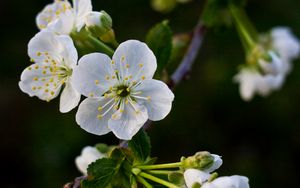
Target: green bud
<point x="201" y="160"/>
<point x="100" y="25"/>
<point x="102" y="148"/>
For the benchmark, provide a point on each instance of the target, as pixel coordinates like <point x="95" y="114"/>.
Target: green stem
<point x="158" y="180"/>
<point x="101" y="46"/>
<point x="144" y="182"/>
<point x="160" y="172"/>
<point x="243" y="27"/>
<point x="160" y="166"/>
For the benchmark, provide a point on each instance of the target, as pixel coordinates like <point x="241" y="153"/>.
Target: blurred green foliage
<point x="260" y="139"/>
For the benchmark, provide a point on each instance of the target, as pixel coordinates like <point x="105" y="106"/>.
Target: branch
<point x="185" y="66"/>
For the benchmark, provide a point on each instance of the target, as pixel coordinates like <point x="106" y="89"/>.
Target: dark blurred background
<point x="259" y="139"/>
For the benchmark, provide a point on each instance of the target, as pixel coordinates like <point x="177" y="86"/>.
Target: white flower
<point x="193" y="176"/>
<point x="88" y="155"/>
<point x="61" y="18"/>
<point x="55" y="57"/>
<point x="121" y="92"/>
<point x="252" y="81"/>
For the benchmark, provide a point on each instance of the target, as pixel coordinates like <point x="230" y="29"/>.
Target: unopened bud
<point x="100" y="25"/>
<point x="201" y="160"/>
<point x="163" y="6"/>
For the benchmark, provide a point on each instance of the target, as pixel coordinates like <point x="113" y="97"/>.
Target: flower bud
<point x="163" y="6"/>
<point x="100" y="25"/>
<point x="201" y="160"/>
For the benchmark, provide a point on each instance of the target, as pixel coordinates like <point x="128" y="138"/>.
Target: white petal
<point x="94" y="75"/>
<point x="134" y="58"/>
<point x="82" y="8"/>
<point x="228" y="182"/>
<point x="88" y="155"/>
<point x="192" y="176"/>
<point x="37" y="80"/>
<point x="159" y="97"/>
<point x="44" y="41"/>
<point x="69" y="98"/>
<point x="247" y="80"/>
<point x="284" y="41"/>
<point x="69" y="52"/>
<point x="87" y="116"/>
<point x="217" y="163"/>
<point x="127" y="123"/>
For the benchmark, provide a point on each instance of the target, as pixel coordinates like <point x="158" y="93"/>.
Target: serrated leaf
<point x="140" y="146"/>
<point x="100" y="173"/>
<point x="159" y="40"/>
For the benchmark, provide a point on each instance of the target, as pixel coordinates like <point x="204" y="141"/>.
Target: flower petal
<point x="43" y="44"/>
<point x="69" y="53"/>
<point x="159" y="97"/>
<point x="63" y="25"/>
<point x="69" y="98"/>
<point x="82" y="8"/>
<point x="134" y="58"/>
<point x="87" y="116"/>
<point x="192" y="176"/>
<point x="88" y="155"/>
<point x="37" y="80"/>
<point x="125" y="124"/>
<point x="228" y="182"/>
<point x="94" y="75"/>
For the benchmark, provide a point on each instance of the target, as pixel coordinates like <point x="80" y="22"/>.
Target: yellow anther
<point x="47" y="85"/>
<point x="51" y="80"/>
<point x="29" y="68"/>
<point x="33" y="88"/>
<point x="32" y="60"/>
<point x="46" y="90"/>
<point x="36" y="67"/>
<point x="45" y="67"/>
<point x="127" y="89"/>
<point x="46" y="53"/>
<point x="91" y="94"/>
<point x="113" y="62"/>
<point x="122" y="59"/>
<point x="38" y="53"/>
<point x="116" y="71"/>
<point x="141" y="65"/>
<point x="114" y="116"/>
<point x="143" y="77"/>
<point x="148" y="98"/>
<point x="40" y="87"/>
<point x="46" y="61"/>
<point x="55" y="84"/>
<point x="35" y="79"/>
<point x="127" y="65"/>
<point x="113" y="77"/>
<point x="52" y="92"/>
<point x="99" y="116"/>
<point x="100" y="108"/>
<point x="96" y="82"/>
<point x="44" y="72"/>
<point x="126" y="101"/>
<point x="121" y="111"/>
<point x="107" y="77"/>
<point x="126" y="78"/>
<point x="130" y="76"/>
<point x="116" y="107"/>
<point x="43" y="79"/>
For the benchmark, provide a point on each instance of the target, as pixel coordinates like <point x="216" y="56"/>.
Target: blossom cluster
<point x="120" y="92"/>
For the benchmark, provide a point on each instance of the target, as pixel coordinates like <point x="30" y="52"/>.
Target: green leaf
<point x="140" y="146"/>
<point x="159" y="40"/>
<point x="101" y="173"/>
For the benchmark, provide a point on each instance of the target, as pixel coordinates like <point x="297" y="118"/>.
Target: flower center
<point x="123" y="91"/>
